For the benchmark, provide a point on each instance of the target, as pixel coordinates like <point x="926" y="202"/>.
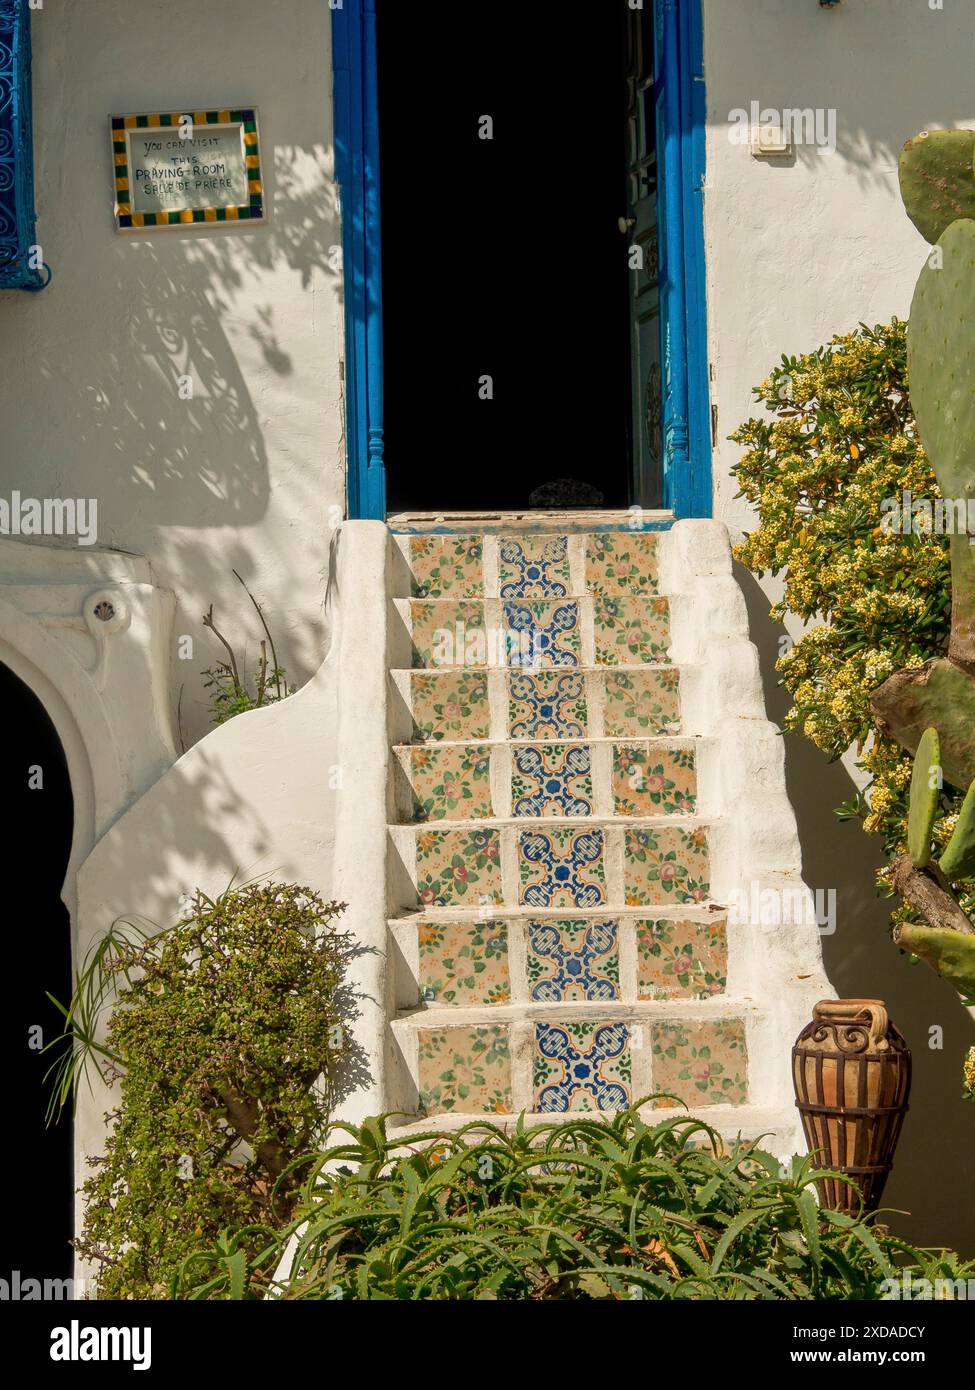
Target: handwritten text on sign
<point x="206" y="169"/>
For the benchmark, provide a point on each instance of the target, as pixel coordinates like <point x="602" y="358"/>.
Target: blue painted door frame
<point x="681" y="155"/>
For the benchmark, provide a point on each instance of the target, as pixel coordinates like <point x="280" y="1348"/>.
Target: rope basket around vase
<point x="852" y="1074"/>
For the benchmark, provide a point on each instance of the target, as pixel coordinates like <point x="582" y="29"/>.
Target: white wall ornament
<point x="90" y="634"/>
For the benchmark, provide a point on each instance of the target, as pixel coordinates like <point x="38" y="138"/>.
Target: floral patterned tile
<point x="446" y="566"/>
<point x="581" y="1066"/>
<point x="464" y="963"/>
<point x="449" y="782"/>
<point x="542" y="634"/>
<point x="551" y="780"/>
<point x="546" y="705"/>
<point x="467" y="1069"/>
<point x="621" y="562"/>
<point x="681" y="959"/>
<point x="447" y="633"/>
<point x="458" y="867"/>
<point x="703" y="1063"/>
<point x="561" y="868"/>
<point x="573" y="961"/>
<point x="665" y="865"/>
<point x="450" y="704"/>
<point x="642" y="703"/>
<point x="533" y="566"/>
<point x="631" y="631"/>
<point x="652" y="781"/>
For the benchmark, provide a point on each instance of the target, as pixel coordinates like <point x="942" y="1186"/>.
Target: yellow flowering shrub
<point x="841" y="440"/>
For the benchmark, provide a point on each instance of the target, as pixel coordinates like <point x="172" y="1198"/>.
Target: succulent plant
<point x="930" y="710"/>
<point x="936" y="179"/>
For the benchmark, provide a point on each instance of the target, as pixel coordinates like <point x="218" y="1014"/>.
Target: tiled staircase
<point x="555" y="816"/>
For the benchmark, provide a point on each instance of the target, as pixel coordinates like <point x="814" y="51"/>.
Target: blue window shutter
<point x="16" y="152"/>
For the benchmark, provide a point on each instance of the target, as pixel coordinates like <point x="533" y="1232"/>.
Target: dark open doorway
<point x="38" y="820"/>
<point x="507" y="258"/>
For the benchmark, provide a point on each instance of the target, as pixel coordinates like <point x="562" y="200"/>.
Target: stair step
<point x="460" y="781"/>
<point x="538" y="633"/>
<point x="569" y="1061"/>
<point x="543" y="566"/>
<point x="558" y="862"/>
<point x="454" y="961"/>
<point x="459" y="704"/>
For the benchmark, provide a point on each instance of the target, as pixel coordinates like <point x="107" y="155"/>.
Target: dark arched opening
<point x="38" y="818"/>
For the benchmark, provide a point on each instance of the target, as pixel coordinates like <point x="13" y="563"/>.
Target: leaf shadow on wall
<point x="185" y="303"/>
<point x="861" y="961"/>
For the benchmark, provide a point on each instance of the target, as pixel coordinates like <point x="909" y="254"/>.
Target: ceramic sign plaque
<point x="178" y="169"/>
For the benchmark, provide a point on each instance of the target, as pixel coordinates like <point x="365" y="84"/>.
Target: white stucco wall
<point x="243" y="475"/>
<point x="799" y="250"/>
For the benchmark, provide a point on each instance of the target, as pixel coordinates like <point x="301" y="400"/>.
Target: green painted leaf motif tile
<point x="653" y="781"/>
<point x="451" y="782"/>
<point x="631" y="631"/>
<point x="665" y="865"/>
<point x="446" y="566"/>
<point x="642" y="703"/>
<point x="681" y="959"/>
<point x="703" y="1063"/>
<point x="458" y="867"/>
<point x="464" y="964"/>
<point x="466" y="1069"/>
<point x="447" y="633"/>
<point x="450" y="704"/>
<point x="621" y="562"/>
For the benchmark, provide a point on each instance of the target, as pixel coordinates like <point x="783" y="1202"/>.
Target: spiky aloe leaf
<point x="958" y="860"/>
<point x="951" y="953"/>
<point x="937" y="180"/>
<point x="925" y="785"/>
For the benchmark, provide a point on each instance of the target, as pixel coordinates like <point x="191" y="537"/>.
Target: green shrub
<point x="840" y="444"/>
<point x="591" y="1208"/>
<point x="224" y="1040"/>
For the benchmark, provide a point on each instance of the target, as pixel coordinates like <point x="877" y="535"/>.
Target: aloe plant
<point x="601" y="1207"/>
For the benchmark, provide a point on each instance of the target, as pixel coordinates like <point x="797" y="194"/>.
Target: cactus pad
<point x="951" y="953"/>
<point x="940" y="339"/>
<point x="958" y="860"/>
<point x="924" y="798"/>
<point x="937" y="179"/>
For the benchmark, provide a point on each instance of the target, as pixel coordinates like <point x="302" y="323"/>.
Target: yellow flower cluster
<point x="823" y="471"/>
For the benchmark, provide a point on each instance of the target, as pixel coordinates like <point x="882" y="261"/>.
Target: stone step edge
<point x="641" y="1011"/>
<point x="688" y="821"/>
<point x="731" y="1121"/>
<point x="692" y="742"/>
<point x="580" y="670"/>
<point x="684" y="912"/>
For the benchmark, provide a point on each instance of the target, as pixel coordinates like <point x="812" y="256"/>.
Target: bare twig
<point x="928" y="892"/>
<point x="208" y="622"/>
<point x="260" y="614"/>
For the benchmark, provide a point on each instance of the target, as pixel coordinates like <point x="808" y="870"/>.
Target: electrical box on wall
<point x="769" y="139"/>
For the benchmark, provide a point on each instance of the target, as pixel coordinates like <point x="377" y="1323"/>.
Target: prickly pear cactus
<point x="936" y="179"/>
<point x="940" y="341"/>
<point x="925" y="786"/>
<point x="958" y="860"/>
<point x="951" y="953"/>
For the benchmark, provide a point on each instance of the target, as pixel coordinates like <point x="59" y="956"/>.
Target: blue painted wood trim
<point x="356" y="106"/>
<point x="17" y="235"/>
<point x="681" y="158"/>
<point x="698" y="499"/>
